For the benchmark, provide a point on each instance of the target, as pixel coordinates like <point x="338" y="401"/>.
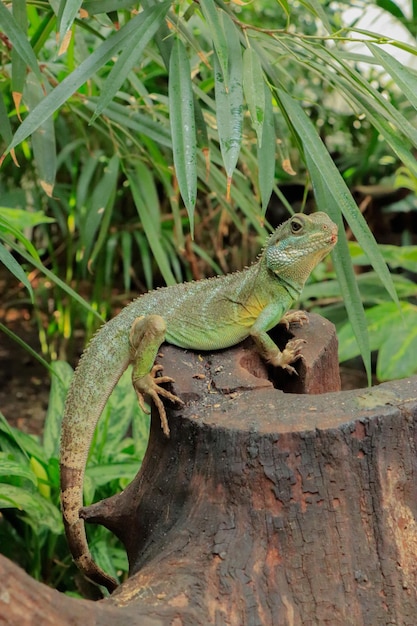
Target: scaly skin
<point x="205" y="315"/>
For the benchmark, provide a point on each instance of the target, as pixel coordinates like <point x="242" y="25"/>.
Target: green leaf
<point x="59" y="388"/>
<point x="343" y="266"/>
<point x="19" y="67"/>
<point x="11" y="468"/>
<point x="52" y="276"/>
<point x="266" y="152"/>
<point x="43" y="139"/>
<point x="13" y="266"/>
<point x="403" y="76"/>
<point x="254" y="90"/>
<point x="100" y="208"/>
<point x="58" y="96"/>
<point x="392" y="8"/>
<point x="397" y="357"/>
<point x="68" y="11"/>
<point x="25" y="346"/>
<point x="95" y="7"/>
<point x="146" y="201"/>
<point x="335" y="187"/>
<point x="182" y="118"/>
<point x="134" y="47"/>
<point x="17" y="38"/>
<point x="229" y="101"/>
<point x="40" y="512"/>
<point x="215" y="25"/>
<point x="21" y="219"/>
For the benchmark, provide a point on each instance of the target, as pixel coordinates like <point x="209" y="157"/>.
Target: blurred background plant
<point x="152" y="142"/>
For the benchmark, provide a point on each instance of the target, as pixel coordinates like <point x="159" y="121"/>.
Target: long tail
<point x="98" y="372"/>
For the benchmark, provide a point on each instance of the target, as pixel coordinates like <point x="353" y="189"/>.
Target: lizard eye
<point x="296" y="225"/>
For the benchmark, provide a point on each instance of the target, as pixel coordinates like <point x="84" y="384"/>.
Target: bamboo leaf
<point x="253" y="87"/>
<point x="19" y="67"/>
<point x="43" y="139"/>
<point x="405" y="79"/>
<point x="134" y="46"/>
<point x="58" y="96"/>
<point x="336" y="187"/>
<point x="343" y="266"/>
<point x="18" y="39"/>
<point x="68" y="11"/>
<point x="95" y="7"/>
<point x="266" y="152"/>
<point x="229" y="101"/>
<point x="146" y="201"/>
<point x="215" y="25"/>
<point x="13" y="266"/>
<point x="100" y="208"/>
<point x="182" y="118"/>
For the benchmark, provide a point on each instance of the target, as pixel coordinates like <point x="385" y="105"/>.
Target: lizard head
<point x="298" y="245"/>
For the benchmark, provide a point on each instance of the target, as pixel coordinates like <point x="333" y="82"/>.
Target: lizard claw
<point x="150" y="385"/>
<point x="294" y="317"/>
<point x="291" y="353"/>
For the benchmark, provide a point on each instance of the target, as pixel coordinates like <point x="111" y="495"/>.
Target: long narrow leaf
<point x="13" y="266"/>
<point x="343" y="266"/>
<point x="60" y="283"/>
<point x="253" y="87"/>
<point x="67" y="16"/>
<point x="71" y="83"/>
<point x="43" y="139"/>
<point x="215" y="25"/>
<point x="403" y="76"/>
<point x="229" y="101"/>
<point x="134" y="46"/>
<point x="182" y="118"/>
<point x="266" y="152"/>
<point x="147" y="205"/>
<point x="336" y="187"/>
<point x="18" y="40"/>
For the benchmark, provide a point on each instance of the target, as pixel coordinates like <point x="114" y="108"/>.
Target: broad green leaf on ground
<point x="39" y="511"/>
<point x="183" y="131"/>
<point x="397" y="351"/>
<point x="59" y="388"/>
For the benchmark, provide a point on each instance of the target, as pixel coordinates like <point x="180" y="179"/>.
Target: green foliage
<point x="31" y="529"/>
<point x="199" y="98"/>
<point x="392" y="327"/>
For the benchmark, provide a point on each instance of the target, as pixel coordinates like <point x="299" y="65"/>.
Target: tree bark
<point x="264" y="507"/>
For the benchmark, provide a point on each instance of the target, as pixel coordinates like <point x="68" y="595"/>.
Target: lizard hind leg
<point x="146" y="336"/>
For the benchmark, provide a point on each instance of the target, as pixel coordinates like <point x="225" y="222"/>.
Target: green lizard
<point x="204" y="315"/>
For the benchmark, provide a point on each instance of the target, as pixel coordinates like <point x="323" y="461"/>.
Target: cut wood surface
<point x="263" y="507"/>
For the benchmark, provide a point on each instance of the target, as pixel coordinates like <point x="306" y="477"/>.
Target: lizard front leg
<point x="267" y="348"/>
<point x="146" y="336"/>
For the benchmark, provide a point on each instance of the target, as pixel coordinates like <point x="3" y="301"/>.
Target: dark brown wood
<point x="264" y="507"/>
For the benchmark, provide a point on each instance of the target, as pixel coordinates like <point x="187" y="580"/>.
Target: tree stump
<point x="268" y="508"/>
